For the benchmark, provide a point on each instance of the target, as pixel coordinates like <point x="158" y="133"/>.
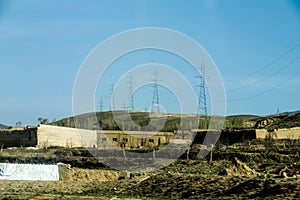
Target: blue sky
<point x="254" y="43"/>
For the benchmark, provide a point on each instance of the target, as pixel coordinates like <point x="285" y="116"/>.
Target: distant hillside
<point x="290" y="113"/>
<point x="3" y="126"/>
<point x="242" y="121"/>
<point x="288" y="121"/>
<point x="138" y="120"/>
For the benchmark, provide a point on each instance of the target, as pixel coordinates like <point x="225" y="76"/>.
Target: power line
<point x="266" y="91"/>
<point x="269" y="76"/>
<point x="270" y="64"/>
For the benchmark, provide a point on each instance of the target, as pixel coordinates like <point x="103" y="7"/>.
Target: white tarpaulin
<point x="10" y="171"/>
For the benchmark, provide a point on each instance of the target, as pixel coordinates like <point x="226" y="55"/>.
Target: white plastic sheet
<point x="10" y="171"/>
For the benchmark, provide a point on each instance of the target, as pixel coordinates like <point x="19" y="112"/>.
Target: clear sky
<point x="254" y="43"/>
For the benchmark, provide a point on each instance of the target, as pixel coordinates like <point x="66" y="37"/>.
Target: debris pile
<point x="239" y="169"/>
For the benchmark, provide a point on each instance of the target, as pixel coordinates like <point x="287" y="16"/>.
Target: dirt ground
<point x="160" y="186"/>
<point x="234" y="173"/>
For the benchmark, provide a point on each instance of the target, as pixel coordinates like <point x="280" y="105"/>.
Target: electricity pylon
<point x="202" y="106"/>
<point x="112" y="102"/>
<point x="131" y="102"/>
<point x="100" y="105"/>
<point x="155" y="99"/>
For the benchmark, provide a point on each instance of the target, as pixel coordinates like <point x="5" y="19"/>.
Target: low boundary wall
<point x="285" y="133"/>
<point x="47" y="135"/>
<point x="17" y="138"/>
<point x="65" y="137"/>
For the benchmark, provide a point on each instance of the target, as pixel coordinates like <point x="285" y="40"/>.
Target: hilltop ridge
<point x="147" y="121"/>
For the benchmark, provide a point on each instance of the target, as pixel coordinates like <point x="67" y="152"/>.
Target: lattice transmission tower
<point x="155" y="98"/>
<point x="112" y="102"/>
<point x="202" y="105"/>
<point x="100" y="105"/>
<point x="130" y="102"/>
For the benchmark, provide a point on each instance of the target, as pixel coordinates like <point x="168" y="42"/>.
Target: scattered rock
<point x="290" y="172"/>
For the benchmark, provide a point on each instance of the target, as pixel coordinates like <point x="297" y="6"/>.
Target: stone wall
<point x="16" y="138"/>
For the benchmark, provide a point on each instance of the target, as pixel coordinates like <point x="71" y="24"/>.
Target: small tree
<point x="269" y="141"/>
<point x="122" y="143"/>
<point x="43" y="120"/>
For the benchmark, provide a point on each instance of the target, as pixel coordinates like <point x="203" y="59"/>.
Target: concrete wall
<point x="286" y="133"/>
<point x="15" y="138"/>
<point x="65" y="137"/>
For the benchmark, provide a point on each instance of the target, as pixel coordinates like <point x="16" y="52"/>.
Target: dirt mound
<point x="239" y="169"/>
<point x="66" y="173"/>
